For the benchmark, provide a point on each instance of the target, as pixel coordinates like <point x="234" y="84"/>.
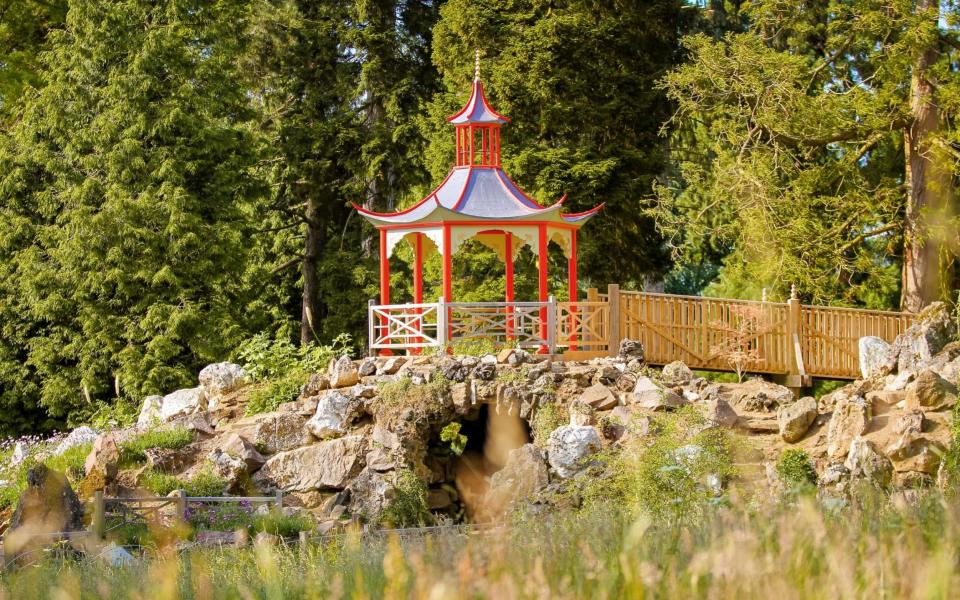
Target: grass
<point x="70" y="462"/>
<point x="870" y="549"/>
<point x="134" y="451"/>
<point x="203" y="483"/>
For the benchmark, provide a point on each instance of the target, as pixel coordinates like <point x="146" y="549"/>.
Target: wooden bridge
<point x="788" y="339"/>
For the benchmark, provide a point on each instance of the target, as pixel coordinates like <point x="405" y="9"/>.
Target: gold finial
<point x="793" y="291"/>
<point x="476" y="64"/>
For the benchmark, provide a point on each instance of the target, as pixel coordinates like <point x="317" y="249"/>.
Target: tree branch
<point x="867" y="235"/>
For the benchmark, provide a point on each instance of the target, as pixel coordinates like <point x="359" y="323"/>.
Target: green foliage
<point x="474" y="347"/>
<point x="547" y="418"/>
<point x="205" y="482"/>
<point x="283" y="368"/>
<point x="572" y="76"/>
<point x="451" y="434"/>
<point x="70" y="463"/>
<point x="126" y="206"/>
<point x="408" y="508"/>
<point x="796" y="469"/>
<point x="116" y="415"/>
<point x="404" y="393"/>
<point x="286" y="526"/>
<point x="790" y="158"/>
<point x="676" y="475"/>
<point x="170" y="438"/>
<point x="159" y="483"/>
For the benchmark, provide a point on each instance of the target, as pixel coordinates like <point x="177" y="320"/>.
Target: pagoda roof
<point x="477" y="193"/>
<point x="477" y="109"/>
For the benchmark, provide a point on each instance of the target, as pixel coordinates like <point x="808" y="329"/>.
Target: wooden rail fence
<point x="779" y="338"/>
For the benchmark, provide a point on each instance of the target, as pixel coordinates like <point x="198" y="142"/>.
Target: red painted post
<point x="572" y="282"/>
<point x="542" y="267"/>
<point x="384" y="282"/>
<point x="447" y="273"/>
<point x="508" y="261"/>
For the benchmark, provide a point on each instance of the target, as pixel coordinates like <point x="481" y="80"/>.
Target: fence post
<point x="794" y="376"/>
<point x="279" y="500"/>
<point x="442" y="331"/>
<point x="552" y="325"/>
<point x="98" y="524"/>
<point x="613" y="298"/>
<point x="181" y="506"/>
<point x="304" y="541"/>
<point x="371" y="330"/>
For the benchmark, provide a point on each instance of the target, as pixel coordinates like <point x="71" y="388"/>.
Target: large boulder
<point x="850" y="419"/>
<point x="104" y="457"/>
<point x="913" y="452"/>
<point x="567" y="446"/>
<point x="344" y="373"/>
<point x="219" y="379"/>
<point x="47" y="505"/>
<point x="77" y="437"/>
<point x="865" y="462"/>
<point x="930" y="392"/>
<point x="651" y="396"/>
<point x="238" y="446"/>
<point x="719" y="412"/>
<point x="600" y="397"/>
<point x="150" y="413"/>
<point x="370" y="493"/>
<point x="334" y="413"/>
<point x="631" y="349"/>
<point x="676" y="373"/>
<point x="182" y="402"/>
<point x="933" y="329"/>
<point x="324" y="465"/>
<point x="875" y="357"/>
<point x="275" y="431"/>
<point x="524" y="474"/>
<point x="755" y="395"/>
<point x="230" y="468"/>
<point x="795" y="419"/>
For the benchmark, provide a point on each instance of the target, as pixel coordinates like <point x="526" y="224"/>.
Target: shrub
<point x="795" y="468"/>
<point x="473" y="347"/>
<point x="204" y="482"/>
<point x="547" y="418"/>
<point x="678" y="475"/>
<point x="122" y="412"/>
<point x="277" y="523"/>
<point x="451" y="434"/>
<point x="404" y="393"/>
<point x="283" y="368"/>
<point x="172" y="438"/>
<point x="158" y="483"/>
<point x="409" y="507"/>
<point x="71" y="462"/>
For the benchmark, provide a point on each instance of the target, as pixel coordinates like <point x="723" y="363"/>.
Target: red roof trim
<point x="501" y="174"/>
<point x="463" y="192"/>
<point x="548" y="224"/>
<point x="593" y="210"/>
<point x="472" y="103"/>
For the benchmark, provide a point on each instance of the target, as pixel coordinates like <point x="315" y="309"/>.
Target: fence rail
<point x="781" y="338"/>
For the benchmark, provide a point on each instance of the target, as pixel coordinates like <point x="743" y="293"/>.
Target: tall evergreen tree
<point x="578" y="80"/>
<point x="126" y="192"/>
<point x="24" y="29"/>
<point x="831" y="151"/>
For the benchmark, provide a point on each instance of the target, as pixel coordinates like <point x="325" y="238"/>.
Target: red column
<point x="572" y="282"/>
<point x="384" y="282"/>
<point x="508" y="262"/>
<point x="544" y="292"/>
<point x="418" y="269"/>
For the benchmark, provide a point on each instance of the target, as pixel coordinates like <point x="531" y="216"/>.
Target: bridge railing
<point x="782" y="338"/>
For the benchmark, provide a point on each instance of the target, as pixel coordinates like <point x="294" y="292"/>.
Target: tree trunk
<point x="310" y="324"/>
<point x="930" y="190"/>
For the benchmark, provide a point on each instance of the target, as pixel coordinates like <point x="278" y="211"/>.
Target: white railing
<point x="414" y="327"/>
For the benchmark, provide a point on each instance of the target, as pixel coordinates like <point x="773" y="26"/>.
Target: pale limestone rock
<point x="325" y="465"/>
<point x="569" y="445"/>
<point x="795" y="419"/>
<point x="182" y="402"/>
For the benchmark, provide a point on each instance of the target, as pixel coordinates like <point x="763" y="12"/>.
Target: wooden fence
<point x="782" y="338"/>
<point x="778" y="338"/>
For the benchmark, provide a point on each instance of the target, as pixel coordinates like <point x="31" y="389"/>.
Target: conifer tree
<point x="126" y="185"/>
